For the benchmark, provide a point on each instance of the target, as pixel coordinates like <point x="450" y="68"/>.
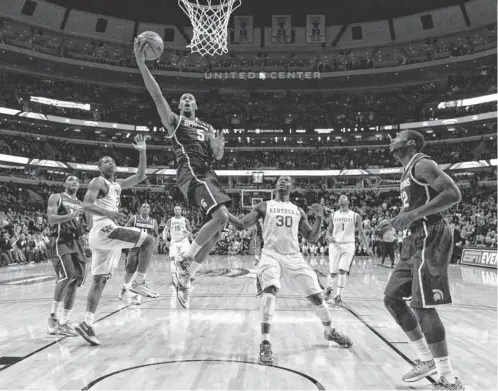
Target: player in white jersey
<point x="343" y="224"/>
<point x="280" y="257"/>
<point x="107" y="239"/>
<point x="178" y="228"/>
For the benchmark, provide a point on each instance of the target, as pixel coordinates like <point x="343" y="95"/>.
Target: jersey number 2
<point x="281" y="221"/>
<point x="404" y="199"/>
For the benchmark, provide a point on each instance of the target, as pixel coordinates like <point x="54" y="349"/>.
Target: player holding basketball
<point x="343" y="224"/>
<point x="283" y="221"/>
<point x="107" y="238"/>
<point x="422" y="272"/>
<point x="145" y="223"/>
<point x="65" y="216"/>
<point x="178" y="228"/>
<point x="196" y="146"/>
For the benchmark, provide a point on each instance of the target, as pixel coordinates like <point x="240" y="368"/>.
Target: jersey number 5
<point x="200" y="135"/>
<point x="281" y="221"/>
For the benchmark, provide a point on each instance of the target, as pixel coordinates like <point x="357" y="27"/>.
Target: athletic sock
<point x="140" y="278"/>
<point x="89" y="318"/>
<point x="66" y="314"/>
<point x="192" y="250"/>
<point x="444" y="368"/>
<point x="56" y="306"/>
<point x="341" y="284"/>
<point x="422" y="349"/>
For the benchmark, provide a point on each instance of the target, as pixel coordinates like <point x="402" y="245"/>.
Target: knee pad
<point x="272" y="289"/>
<point x="316" y="299"/>
<point x="431" y="325"/>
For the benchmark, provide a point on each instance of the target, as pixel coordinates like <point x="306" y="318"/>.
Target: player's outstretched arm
<point x="311" y="234"/>
<point x="168" y="118"/>
<point x="330" y="229"/>
<point x="141" y="175"/>
<point x="53" y="206"/>
<point x="95" y="186"/>
<point x="166" y="229"/>
<point x="249" y="219"/>
<point x="131" y="221"/>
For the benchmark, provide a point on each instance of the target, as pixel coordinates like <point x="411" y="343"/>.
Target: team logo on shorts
<point x="437" y="295"/>
<point x="107" y="229"/>
<point x="204" y="204"/>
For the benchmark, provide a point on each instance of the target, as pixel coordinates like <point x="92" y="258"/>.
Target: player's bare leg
<point x="330" y="333"/>
<point x="144" y="257"/>
<point x="341" y="284"/>
<point x="85" y="328"/>
<point x="327" y="293"/>
<point x="218" y="220"/>
<point x="267" y="309"/>
<point x="54" y="317"/>
<point x="182" y="290"/>
<point x="407" y="320"/>
<point x="65" y="328"/>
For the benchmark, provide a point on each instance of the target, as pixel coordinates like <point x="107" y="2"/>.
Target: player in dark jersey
<point x="197" y="145"/>
<point x="422" y="272"/>
<point x="149" y="225"/>
<point x="65" y="216"/>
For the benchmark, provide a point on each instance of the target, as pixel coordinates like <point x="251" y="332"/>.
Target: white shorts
<point x="176" y="248"/>
<point x="106" y="240"/>
<point x="293" y="267"/>
<point x="341" y="256"/>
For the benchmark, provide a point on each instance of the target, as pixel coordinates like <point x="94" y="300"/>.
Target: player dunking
<point x="283" y="221"/>
<point x="178" y="228"/>
<point x="341" y="233"/>
<point x="145" y="223"/>
<point x="107" y="239"/>
<point x="65" y="216"/>
<point x="422" y="272"/>
<point x="196" y="146"/>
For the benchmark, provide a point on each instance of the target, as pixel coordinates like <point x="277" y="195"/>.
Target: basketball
<point x="155" y="45"/>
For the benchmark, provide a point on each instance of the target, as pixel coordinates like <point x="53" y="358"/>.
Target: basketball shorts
<point x="422" y="272"/>
<point x="292" y="267"/>
<point x="69" y="261"/>
<point x="341" y="256"/>
<point x="106" y="240"/>
<point x="201" y="189"/>
<point x="176" y="248"/>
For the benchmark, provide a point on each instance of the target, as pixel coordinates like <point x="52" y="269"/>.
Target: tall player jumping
<point x="145" y="223"/>
<point x="422" y="272"/>
<point x="196" y="146"/>
<point x="178" y="228"/>
<point x="283" y="221"/>
<point x="65" y="216"/>
<point x="107" y="238"/>
<point x="343" y="224"/>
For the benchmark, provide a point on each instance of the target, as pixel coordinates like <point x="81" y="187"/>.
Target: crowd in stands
<point x="25" y="234"/>
<point x="344" y="158"/>
<point x="252" y="109"/>
<point x="323" y="60"/>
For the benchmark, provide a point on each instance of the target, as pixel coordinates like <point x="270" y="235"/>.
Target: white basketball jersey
<point x="281" y="227"/>
<point x="177" y="228"/>
<point x="111" y="200"/>
<point x="344" y="226"/>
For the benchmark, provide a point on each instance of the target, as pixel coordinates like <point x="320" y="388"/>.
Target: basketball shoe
<point x="67" y="330"/>
<point x="420" y="370"/>
<point x="53" y="325"/>
<point x="87" y="333"/>
<point x="443" y="384"/>
<point x="338" y="338"/>
<point x="143" y="289"/>
<point x="124" y="294"/>
<point x="181" y="280"/>
<point x="265" y="353"/>
<point x="338" y="301"/>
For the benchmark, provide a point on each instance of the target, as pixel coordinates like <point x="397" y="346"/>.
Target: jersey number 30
<point x="281" y="221"/>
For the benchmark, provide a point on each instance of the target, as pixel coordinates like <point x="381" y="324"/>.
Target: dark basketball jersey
<point x="71" y="229"/>
<point x="414" y="193"/>
<point x="147" y="225"/>
<point x="191" y="144"/>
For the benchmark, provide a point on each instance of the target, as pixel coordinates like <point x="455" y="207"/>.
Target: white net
<point x="210" y="24"/>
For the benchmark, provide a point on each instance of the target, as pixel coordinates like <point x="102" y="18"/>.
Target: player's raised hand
<point x="139" y="50"/>
<point x="139" y="143"/>
<point x="317" y="210"/>
<point x="403" y="220"/>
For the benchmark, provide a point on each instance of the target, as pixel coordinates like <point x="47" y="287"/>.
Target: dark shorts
<point x="422" y="272"/>
<point x="69" y="261"/>
<point x="201" y="189"/>
<point x="131" y="262"/>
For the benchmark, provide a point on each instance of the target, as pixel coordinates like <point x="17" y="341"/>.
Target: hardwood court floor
<point x="215" y="345"/>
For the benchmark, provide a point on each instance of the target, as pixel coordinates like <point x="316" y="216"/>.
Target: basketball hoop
<point x="210" y="24"/>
